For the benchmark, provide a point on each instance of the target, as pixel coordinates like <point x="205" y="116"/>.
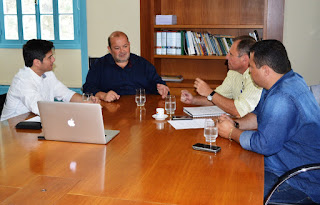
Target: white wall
<point x="302" y="37"/>
<point x="106" y="16"/>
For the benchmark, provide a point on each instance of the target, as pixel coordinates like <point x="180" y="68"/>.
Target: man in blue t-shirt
<point x="121" y="72"/>
<point x="284" y="126"/>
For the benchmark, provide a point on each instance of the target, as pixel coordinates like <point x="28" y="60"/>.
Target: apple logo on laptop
<point x="71" y="123"/>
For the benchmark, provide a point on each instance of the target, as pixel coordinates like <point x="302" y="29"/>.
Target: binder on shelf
<point x="158" y="43"/>
<point x="203" y="111"/>
<point x="172" y="78"/>
<point x="163" y="43"/>
<point x="171" y="43"/>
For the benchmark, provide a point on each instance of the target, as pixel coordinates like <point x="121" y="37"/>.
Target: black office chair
<point x="2" y="101"/>
<point x="92" y="60"/>
<point x="288" y="175"/>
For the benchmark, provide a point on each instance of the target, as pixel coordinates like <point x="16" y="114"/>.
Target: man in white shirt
<point x="237" y="95"/>
<point x="36" y="82"/>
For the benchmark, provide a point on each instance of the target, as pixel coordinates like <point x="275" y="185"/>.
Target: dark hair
<point x="245" y="43"/>
<point x="273" y="54"/>
<point x="116" y="34"/>
<point x="36" y="49"/>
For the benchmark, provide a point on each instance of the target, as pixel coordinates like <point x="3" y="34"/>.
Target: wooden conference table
<point x="149" y="162"/>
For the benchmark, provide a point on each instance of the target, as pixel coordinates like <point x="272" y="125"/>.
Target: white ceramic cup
<point x="160" y="112"/>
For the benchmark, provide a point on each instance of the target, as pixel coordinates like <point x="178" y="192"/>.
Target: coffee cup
<point x="160" y="112"/>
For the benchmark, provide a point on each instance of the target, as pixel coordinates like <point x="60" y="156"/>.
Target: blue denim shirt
<point x="288" y="132"/>
<point x="105" y="75"/>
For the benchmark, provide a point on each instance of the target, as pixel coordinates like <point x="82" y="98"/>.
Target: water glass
<point x="140" y="97"/>
<point x="170" y="104"/>
<point x="87" y="97"/>
<point x="210" y="130"/>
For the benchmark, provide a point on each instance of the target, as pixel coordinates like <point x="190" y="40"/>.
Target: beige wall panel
<point x="302" y="38"/>
<point x="104" y="17"/>
<point x="67" y="66"/>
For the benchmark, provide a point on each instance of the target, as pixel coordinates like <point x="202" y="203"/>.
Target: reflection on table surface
<point x="149" y="162"/>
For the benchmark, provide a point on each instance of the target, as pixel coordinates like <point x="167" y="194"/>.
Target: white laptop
<point x="74" y="122"/>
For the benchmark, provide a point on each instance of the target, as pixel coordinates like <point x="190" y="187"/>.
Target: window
<point x="54" y="20"/>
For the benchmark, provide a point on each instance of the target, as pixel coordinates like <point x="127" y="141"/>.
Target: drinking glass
<point x="170" y="104"/>
<point x="86" y="97"/>
<point x="210" y="130"/>
<point x="140" y="97"/>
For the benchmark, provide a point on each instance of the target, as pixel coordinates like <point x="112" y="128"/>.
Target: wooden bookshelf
<point x="227" y="17"/>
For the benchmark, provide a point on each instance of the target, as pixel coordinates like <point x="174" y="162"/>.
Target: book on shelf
<point x="172" y="78"/>
<point x="192" y="43"/>
<point x="204" y="111"/>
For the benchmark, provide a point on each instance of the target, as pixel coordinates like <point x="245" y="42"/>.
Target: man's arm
<point x="78" y="98"/>
<point x="188" y="98"/>
<point x="227" y="129"/>
<point x="222" y="102"/>
<point x="163" y="90"/>
<point x="92" y="80"/>
<point x="108" y="97"/>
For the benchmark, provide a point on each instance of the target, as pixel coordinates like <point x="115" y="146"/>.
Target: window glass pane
<point x="28" y="6"/>
<point x="29" y="27"/>
<point x="47" y="29"/>
<point x="66" y="27"/>
<point x="46" y="7"/>
<point x="9" y="7"/>
<point x="65" y="6"/>
<point x="11" y="27"/>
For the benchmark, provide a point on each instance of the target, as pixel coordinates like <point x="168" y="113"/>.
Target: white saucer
<point x="155" y="116"/>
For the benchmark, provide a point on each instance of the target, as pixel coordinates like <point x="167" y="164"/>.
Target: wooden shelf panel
<point x="217" y="26"/>
<point x="191" y="57"/>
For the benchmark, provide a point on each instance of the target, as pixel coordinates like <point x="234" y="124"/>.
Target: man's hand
<point x="186" y="97"/>
<point x="163" y="90"/>
<point x="94" y="99"/>
<point x="108" y="97"/>
<point x="202" y="87"/>
<point x="225" y="124"/>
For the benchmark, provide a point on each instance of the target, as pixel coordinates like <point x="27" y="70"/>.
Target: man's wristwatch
<point x="209" y="97"/>
<point x="236" y="124"/>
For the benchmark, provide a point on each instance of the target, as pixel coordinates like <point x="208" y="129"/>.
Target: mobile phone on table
<point x="206" y="147"/>
<point x="181" y="117"/>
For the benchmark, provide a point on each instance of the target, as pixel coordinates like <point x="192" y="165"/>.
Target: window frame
<point x="59" y="44"/>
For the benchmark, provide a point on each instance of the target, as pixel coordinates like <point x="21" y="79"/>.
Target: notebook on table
<point x="204" y="111"/>
<point x="74" y="122"/>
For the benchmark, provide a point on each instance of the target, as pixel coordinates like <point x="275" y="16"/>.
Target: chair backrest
<point x="91" y="61"/>
<point x="2" y="101"/>
<point x="315" y="89"/>
<point x="289" y="174"/>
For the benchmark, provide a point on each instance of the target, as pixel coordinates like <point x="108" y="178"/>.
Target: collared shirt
<point x="27" y="88"/>
<point x="105" y="75"/>
<point x="242" y="90"/>
<point x="288" y="132"/>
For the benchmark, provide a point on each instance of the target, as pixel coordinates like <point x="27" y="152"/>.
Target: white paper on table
<point x="187" y="124"/>
<point x="34" y="119"/>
